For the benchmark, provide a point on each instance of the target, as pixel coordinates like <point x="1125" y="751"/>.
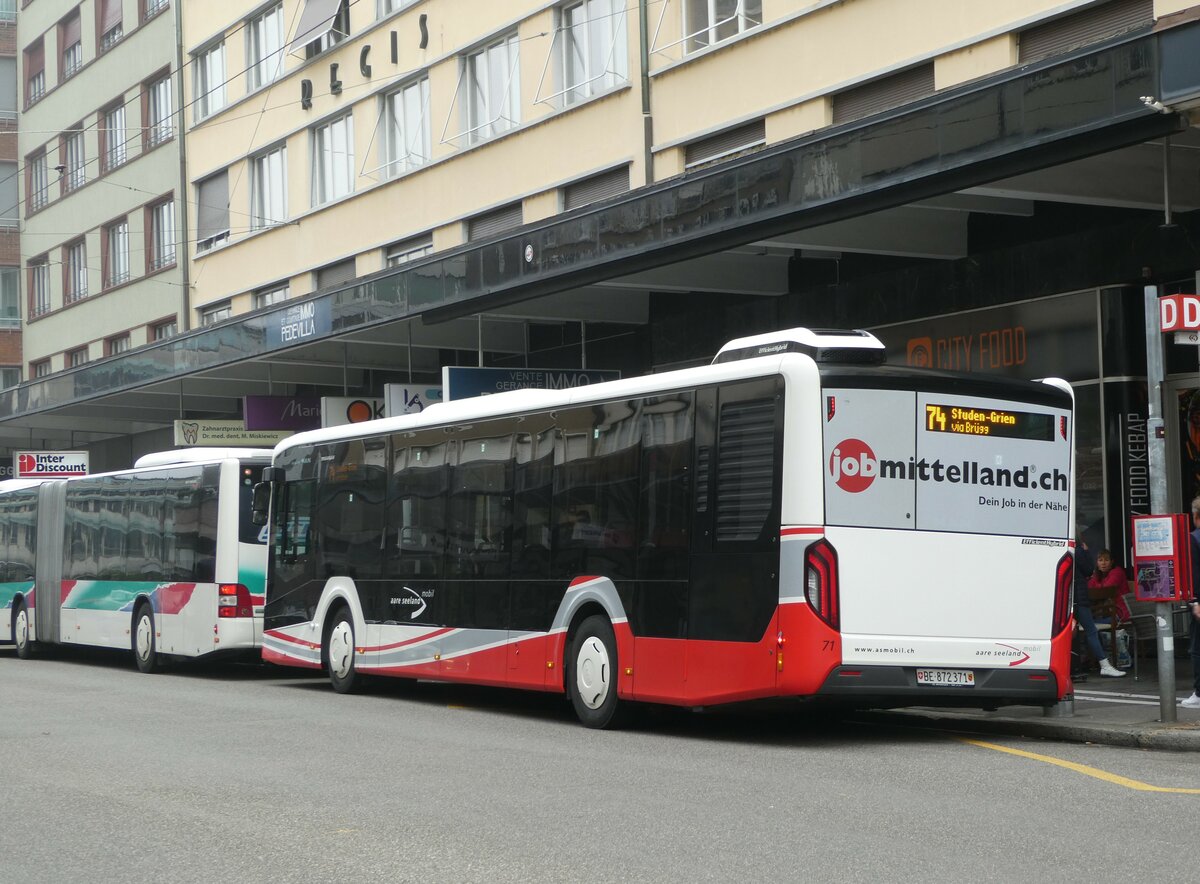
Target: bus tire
<point x="20" y="632"/>
<point x="142" y="642"/>
<point x="592" y="675"/>
<point x="339" y="652"/>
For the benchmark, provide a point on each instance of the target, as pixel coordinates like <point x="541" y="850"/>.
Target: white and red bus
<point x="794" y="520"/>
<point x="162" y="559"/>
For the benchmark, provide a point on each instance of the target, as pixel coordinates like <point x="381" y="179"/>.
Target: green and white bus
<point x="162" y="559"/>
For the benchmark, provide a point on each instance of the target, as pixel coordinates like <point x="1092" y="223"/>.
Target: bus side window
<point x="350" y="509"/>
<point x="417" y="519"/>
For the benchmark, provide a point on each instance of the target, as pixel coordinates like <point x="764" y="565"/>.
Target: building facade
<point x="380" y="188"/>
<point x="101" y="154"/>
<point x="10" y="243"/>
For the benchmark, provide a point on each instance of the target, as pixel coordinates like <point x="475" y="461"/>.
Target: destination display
<point x="969" y="420"/>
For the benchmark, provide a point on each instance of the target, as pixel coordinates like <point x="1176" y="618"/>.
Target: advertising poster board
<point x="1162" y="558"/>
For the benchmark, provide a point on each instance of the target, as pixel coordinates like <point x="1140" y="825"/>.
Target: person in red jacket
<point x="1109" y="579"/>
<point x="1107" y="588"/>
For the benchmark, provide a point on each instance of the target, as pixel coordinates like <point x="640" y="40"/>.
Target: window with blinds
<point x="212" y="211"/>
<point x="109" y="24"/>
<point x="599" y="187"/>
<point x="497" y="221"/>
<point x="725" y="144"/>
<point x="883" y="94"/>
<point x="35" y="72"/>
<point x="1083" y="28"/>
<point x="745" y="487"/>
<point x="335" y="274"/>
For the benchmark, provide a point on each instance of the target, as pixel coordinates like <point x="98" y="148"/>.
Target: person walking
<point x="1193" y="702"/>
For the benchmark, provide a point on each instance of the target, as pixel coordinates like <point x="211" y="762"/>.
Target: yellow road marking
<point x="1084" y="769"/>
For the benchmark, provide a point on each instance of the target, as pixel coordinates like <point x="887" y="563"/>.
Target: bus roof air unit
<point x="826" y="345"/>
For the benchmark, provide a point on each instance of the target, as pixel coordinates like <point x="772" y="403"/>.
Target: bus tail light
<point x="1063" y="586"/>
<point x="233" y="600"/>
<point x="821" y="582"/>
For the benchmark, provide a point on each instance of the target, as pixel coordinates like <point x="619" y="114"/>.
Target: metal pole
<point x="1167" y="181"/>
<point x="1157" y="445"/>
<point x="647" y="119"/>
<point x="583" y="344"/>
<point x="181" y="202"/>
<point x="479" y="319"/>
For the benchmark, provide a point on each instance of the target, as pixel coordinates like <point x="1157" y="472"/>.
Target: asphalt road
<point x="239" y="773"/>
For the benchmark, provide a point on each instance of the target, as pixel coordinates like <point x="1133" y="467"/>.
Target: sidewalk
<point x="1113" y="711"/>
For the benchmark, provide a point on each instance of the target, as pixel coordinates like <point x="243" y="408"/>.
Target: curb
<point x="1179" y="738"/>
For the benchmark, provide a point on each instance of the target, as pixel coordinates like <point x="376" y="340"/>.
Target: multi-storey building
<point x="383" y="187"/>
<point x="101" y="157"/>
<point x="10" y="244"/>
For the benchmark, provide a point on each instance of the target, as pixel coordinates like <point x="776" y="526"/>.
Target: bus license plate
<point x="963" y="678"/>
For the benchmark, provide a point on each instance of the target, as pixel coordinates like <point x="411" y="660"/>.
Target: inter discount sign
<point x="1178" y="313"/>
<point x="50" y="464"/>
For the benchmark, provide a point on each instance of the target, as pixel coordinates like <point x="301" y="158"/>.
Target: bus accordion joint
<point x="233" y="600"/>
<point x="821" y="581"/>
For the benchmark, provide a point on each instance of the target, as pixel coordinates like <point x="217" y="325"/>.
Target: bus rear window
<point x="248" y="532"/>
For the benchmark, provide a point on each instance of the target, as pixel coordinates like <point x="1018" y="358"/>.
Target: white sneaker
<point x="1192" y="702"/>
<point x="1107" y="670"/>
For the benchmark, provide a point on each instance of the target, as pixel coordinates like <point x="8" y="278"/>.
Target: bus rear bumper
<point x="882" y="686"/>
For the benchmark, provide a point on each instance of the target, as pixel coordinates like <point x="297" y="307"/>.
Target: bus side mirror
<point x="260" y="503"/>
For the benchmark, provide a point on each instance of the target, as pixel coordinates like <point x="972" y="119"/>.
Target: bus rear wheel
<point x="144" y="646"/>
<point x="339" y="650"/>
<point x="20" y="632"/>
<point x="592" y="676"/>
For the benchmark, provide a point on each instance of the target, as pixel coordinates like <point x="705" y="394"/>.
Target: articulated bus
<point x="794" y="520"/>
<point x="162" y="559"/>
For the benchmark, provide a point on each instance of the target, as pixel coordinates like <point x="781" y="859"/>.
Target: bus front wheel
<point x="145" y="648"/>
<point x="339" y="648"/>
<point x="20" y="632"/>
<point x="592" y="679"/>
